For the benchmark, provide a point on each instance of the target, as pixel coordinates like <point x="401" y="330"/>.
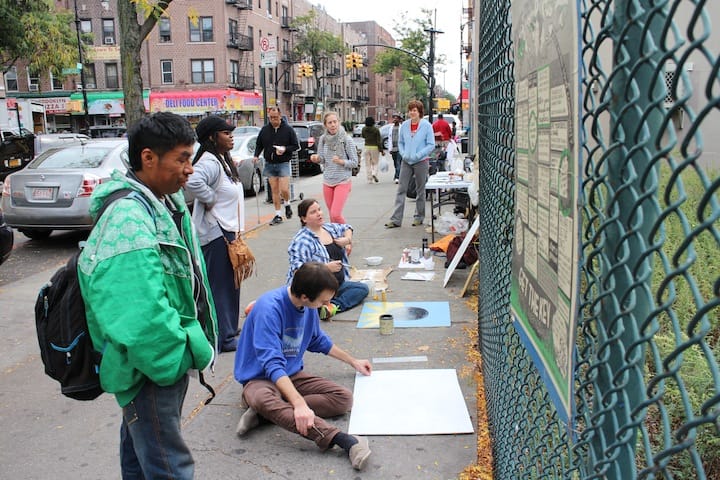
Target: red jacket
<point x="443" y="128"/>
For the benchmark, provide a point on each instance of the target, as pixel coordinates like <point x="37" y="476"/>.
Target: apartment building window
<point x="202" y="31"/>
<point x="86" y="32"/>
<point x="164" y="29"/>
<point x="56" y="82"/>
<point x="269" y="7"/>
<point x="90" y="82"/>
<point x="112" y="80"/>
<point x="166" y="71"/>
<point x="33" y="80"/>
<point x="251" y="34"/>
<point x="108" y="31"/>
<point x="233" y="27"/>
<point x="203" y="71"/>
<point x="11" y="81"/>
<point x="234" y="72"/>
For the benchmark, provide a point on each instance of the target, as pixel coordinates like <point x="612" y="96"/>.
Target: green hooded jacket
<point x="137" y="283"/>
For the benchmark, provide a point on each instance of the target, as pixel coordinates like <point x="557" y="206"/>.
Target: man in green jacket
<point x="140" y="274"/>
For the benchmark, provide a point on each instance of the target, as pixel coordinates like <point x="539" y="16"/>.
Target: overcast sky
<point x="386" y="12"/>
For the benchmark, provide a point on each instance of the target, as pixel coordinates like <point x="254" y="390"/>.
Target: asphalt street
<point x="45" y="435"/>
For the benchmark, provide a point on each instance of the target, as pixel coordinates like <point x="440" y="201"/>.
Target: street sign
<point x="268" y="53"/>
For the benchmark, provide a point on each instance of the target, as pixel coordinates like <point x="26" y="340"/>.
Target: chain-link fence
<point x="646" y="383"/>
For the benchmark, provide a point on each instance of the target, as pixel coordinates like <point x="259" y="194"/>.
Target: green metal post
<point x="627" y="301"/>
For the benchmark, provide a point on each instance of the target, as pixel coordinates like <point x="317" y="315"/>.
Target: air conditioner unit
<point x="33" y="87"/>
<point x="78" y="87"/>
<point x="109" y="40"/>
<point x="91" y="85"/>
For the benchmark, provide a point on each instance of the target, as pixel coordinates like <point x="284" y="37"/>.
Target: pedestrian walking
<point x="338" y="155"/>
<point x="277" y="141"/>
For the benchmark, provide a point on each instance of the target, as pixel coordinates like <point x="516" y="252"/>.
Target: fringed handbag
<point x="241" y="258"/>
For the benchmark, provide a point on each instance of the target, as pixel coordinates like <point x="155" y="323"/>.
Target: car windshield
<point x="303" y="133"/>
<point x="71" y="157"/>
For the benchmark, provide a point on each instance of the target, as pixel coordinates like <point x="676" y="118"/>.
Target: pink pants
<point x="324" y="397"/>
<point x="335" y="198"/>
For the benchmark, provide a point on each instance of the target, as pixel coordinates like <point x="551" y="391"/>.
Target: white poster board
<point x="463" y="246"/>
<point x="409" y="402"/>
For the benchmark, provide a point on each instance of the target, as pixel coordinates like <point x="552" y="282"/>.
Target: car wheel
<point x="255" y="184"/>
<point x="35" y="234"/>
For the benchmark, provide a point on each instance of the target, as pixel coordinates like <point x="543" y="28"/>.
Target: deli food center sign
<point x="205" y="101"/>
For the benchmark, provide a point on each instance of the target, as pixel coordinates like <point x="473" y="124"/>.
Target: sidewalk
<point x="79" y="440"/>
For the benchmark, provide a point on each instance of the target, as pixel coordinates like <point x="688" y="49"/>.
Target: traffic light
<point x="349" y="60"/>
<point x="301" y="70"/>
<point x="358" y="62"/>
<point x="309" y="70"/>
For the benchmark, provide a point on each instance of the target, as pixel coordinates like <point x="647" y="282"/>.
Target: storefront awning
<point x="200" y="102"/>
<point x="103" y="103"/>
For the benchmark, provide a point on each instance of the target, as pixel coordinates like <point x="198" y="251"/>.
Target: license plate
<point x="14" y="162"/>
<point x="42" y="193"/>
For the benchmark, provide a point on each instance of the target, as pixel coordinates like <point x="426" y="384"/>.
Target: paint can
<point x="387" y="324"/>
<point x="414" y="255"/>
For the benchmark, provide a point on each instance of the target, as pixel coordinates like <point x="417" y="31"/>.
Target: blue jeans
<point x="151" y="443"/>
<point x="397" y="161"/>
<point x="350" y="294"/>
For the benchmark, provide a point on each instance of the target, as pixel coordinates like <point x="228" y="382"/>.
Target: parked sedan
<point x="53" y="191"/>
<point x="6" y="239"/>
<point x="308" y="134"/>
<point x="242" y="154"/>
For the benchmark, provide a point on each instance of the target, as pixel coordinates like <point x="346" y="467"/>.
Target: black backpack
<point x="65" y="345"/>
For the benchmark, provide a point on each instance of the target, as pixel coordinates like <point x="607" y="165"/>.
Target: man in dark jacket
<point x="277" y="140"/>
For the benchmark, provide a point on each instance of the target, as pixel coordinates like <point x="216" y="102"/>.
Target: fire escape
<point x="243" y="79"/>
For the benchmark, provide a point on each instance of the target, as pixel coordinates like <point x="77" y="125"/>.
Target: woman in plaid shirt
<point x="328" y="243"/>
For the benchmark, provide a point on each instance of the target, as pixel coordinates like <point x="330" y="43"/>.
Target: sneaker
<point x="391" y="225"/>
<point x="276" y="219"/>
<point x="288" y="212"/>
<point x="359" y="453"/>
<point x="375" y="179"/>
<point x="417" y="223"/>
<point x="397" y="181"/>
<point x="248" y="421"/>
<point x="328" y="311"/>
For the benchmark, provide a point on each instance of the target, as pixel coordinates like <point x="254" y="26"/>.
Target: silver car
<point x="242" y="154"/>
<point x="53" y="191"/>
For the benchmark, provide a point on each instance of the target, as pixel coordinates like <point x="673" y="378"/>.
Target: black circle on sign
<point x="408" y="313"/>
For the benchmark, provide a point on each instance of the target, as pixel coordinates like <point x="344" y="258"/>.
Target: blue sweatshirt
<point x="275" y="337"/>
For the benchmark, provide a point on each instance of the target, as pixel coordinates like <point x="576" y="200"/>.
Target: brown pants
<point x="324" y="397"/>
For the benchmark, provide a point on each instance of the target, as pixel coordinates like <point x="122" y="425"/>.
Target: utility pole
<point x="431" y="70"/>
<point x="82" y="68"/>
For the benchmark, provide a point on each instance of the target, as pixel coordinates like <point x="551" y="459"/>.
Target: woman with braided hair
<point x="218" y="215"/>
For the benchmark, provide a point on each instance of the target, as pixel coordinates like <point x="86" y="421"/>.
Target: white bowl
<point x="373" y="261"/>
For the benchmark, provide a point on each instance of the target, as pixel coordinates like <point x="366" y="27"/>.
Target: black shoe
<point x="375" y="179"/>
<point x="288" y="212"/>
<point x="276" y="219"/>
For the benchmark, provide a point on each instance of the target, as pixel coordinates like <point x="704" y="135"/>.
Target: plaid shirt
<point x="307" y="247"/>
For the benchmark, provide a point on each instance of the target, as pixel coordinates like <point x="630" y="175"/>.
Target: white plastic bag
<point x="449" y="223"/>
<point x="384" y="163"/>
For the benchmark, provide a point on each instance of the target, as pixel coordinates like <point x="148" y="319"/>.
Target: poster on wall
<point x="545" y="256"/>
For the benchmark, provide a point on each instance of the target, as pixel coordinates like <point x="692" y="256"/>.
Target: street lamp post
<point x="82" y="67"/>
